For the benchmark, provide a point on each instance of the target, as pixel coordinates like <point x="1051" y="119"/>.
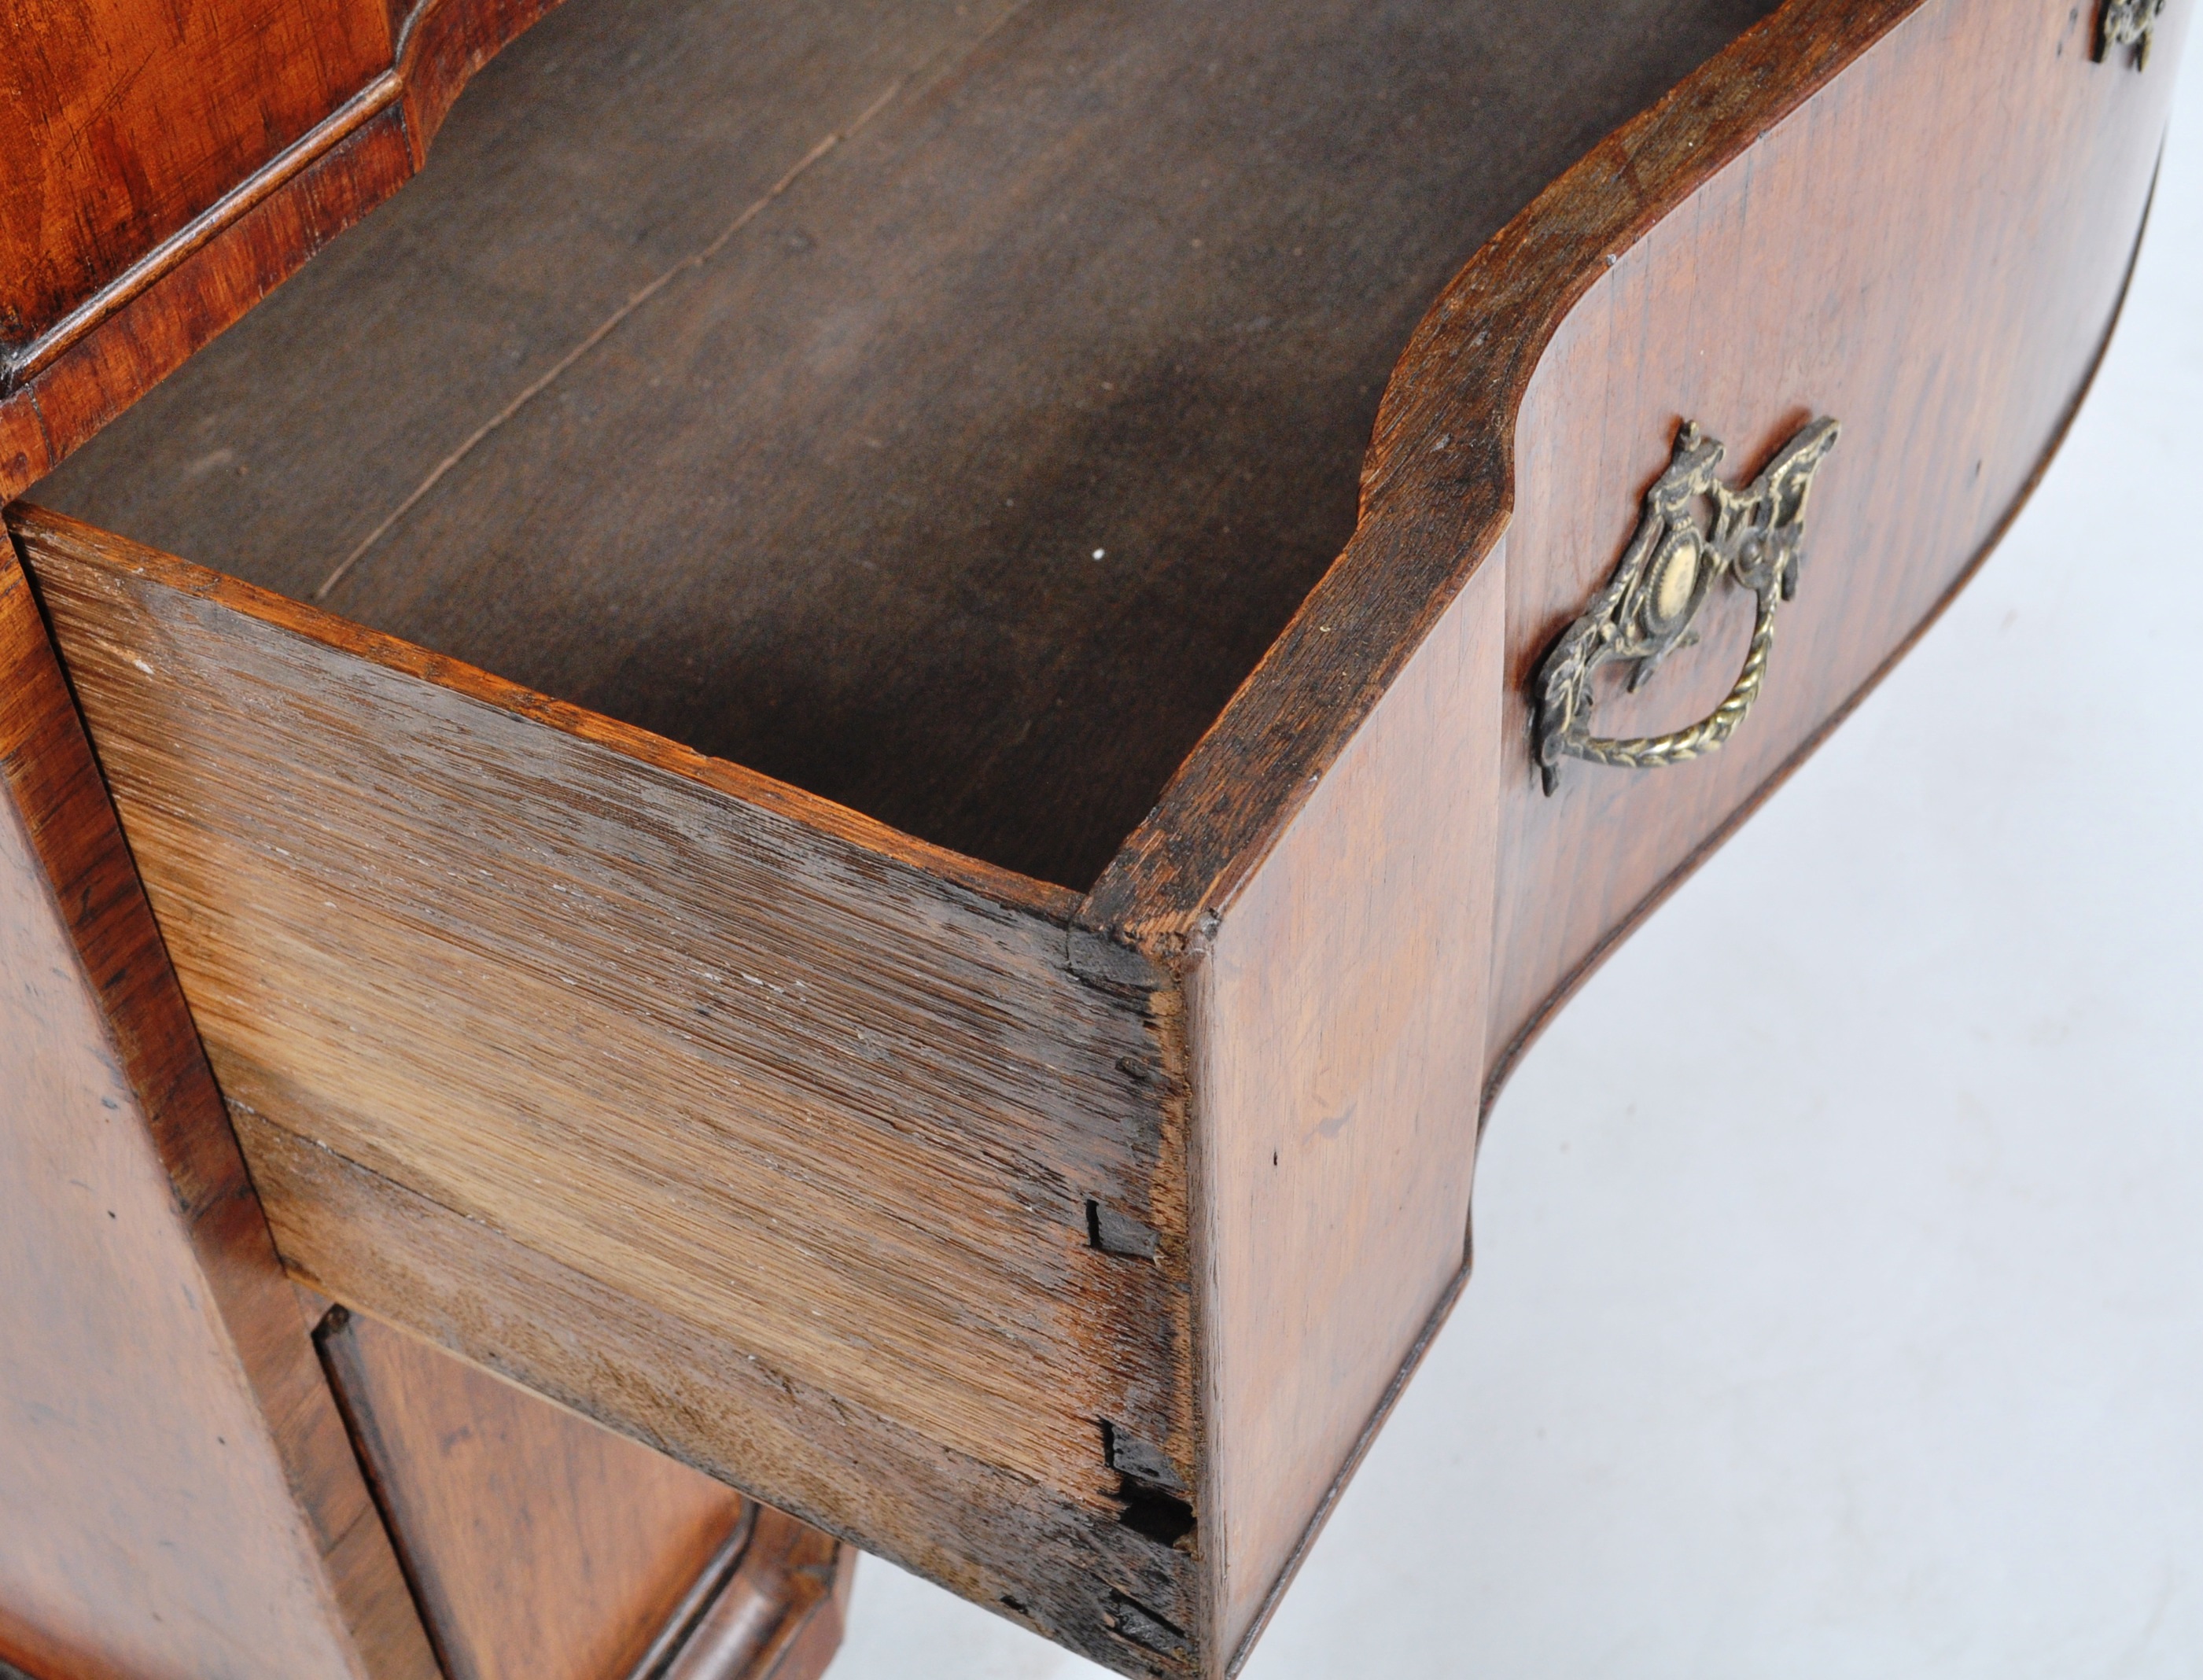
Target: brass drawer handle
<point x="1650" y="604"/>
<point x="2129" y="23"/>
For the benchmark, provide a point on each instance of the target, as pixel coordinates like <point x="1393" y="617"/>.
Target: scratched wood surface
<point x="836" y="1130"/>
<point x="177" y="1497"/>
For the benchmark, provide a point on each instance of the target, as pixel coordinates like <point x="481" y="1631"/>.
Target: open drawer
<point x="951" y="976"/>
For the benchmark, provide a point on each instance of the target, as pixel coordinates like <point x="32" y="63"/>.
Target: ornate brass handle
<point x="1650" y="604"/>
<point x="2127" y="23"/>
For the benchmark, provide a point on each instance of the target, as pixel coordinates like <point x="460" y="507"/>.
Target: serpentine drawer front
<point x="1006" y="1089"/>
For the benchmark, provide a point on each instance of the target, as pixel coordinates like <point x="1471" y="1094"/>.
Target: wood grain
<point x="781" y="1617"/>
<point x="1899" y="314"/>
<point x="258" y="460"/>
<point x="1439" y="484"/>
<point x="606" y="1012"/>
<point x="177" y="1497"/>
<point x="878" y="1180"/>
<point x="1954" y="419"/>
<point x="165" y="169"/>
<point x="123" y="120"/>
<point x="540" y="1546"/>
<point x="1000" y="1539"/>
<point x="1337" y="1013"/>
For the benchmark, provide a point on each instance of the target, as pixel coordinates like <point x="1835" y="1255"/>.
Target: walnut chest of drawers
<point x="865" y="744"/>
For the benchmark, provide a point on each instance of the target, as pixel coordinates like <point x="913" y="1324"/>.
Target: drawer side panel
<point x="844" y="1125"/>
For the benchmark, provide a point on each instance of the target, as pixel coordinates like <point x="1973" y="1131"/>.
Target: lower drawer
<point x="1067" y="1247"/>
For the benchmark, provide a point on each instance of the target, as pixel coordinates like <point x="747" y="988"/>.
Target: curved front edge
<point x="1930" y="242"/>
<point x="1934" y="249"/>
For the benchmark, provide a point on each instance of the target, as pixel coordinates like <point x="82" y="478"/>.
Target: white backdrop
<point x="1863" y="1336"/>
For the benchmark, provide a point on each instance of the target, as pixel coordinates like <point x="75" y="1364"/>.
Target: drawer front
<point x="1930" y="250"/>
<point x="1931" y="253"/>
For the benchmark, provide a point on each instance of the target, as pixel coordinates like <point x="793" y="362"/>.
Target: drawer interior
<point x="940" y="407"/>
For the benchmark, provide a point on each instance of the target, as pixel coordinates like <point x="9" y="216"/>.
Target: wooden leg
<point x="177" y="1495"/>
